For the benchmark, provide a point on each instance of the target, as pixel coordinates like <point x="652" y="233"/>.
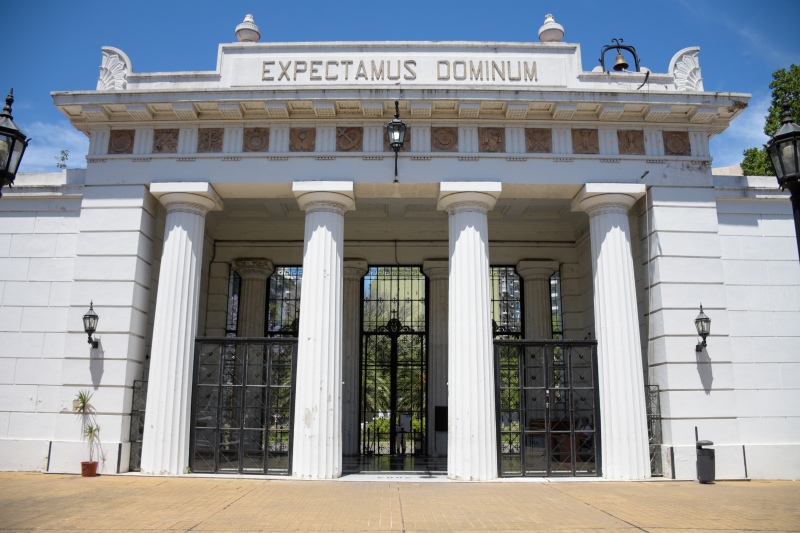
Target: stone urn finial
<point x="551" y="31"/>
<point x="247" y="31"/>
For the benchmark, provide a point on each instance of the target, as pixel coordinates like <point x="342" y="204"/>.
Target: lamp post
<point x="396" y="130"/>
<point x="784" y="154"/>
<point x="12" y="145"/>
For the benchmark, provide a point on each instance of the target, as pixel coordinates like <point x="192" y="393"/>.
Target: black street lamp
<point x="396" y="130"/>
<point x="90" y="320"/>
<point x="784" y="154"/>
<point x="12" y="145"/>
<point x="703" y="325"/>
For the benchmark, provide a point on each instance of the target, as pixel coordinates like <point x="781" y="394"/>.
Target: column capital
<point x="534" y="269"/>
<point x="468" y="195"/>
<point x="333" y="196"/>
<point x="254" y="268"/>
<point x="355" y="268"/>
<point x="436" y="268"/>
<point x="196" y="197"/>
<point x="594" y="197"/>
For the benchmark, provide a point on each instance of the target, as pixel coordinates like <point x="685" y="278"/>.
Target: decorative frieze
<point x="165" y="141"/>
<point x="585" y="141"/>
<point x="209" y="140"/>
<point x="492" y="140"/>
<point x="631" y="142"/>
<point x="677" y="143"/>
<point x="350" y="139"/>
<point x="255" y="140"/>
<point x="538" y="140"/>
<point x="121" y="142"/>
<point x="302" y="139"/>
<point x="444" y="139"/>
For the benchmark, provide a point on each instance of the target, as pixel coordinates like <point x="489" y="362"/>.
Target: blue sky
<point x="53" y="45"/>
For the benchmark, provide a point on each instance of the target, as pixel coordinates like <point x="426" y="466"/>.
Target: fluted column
<point x="471" y="435"/>
<point x="438" y="273"/>
<point x="625" y="451"/>
<point x="317" y="437"/>
<point x="354" y="270"/>
<point x="538" y="310"/>
<point x="165" y="446"/>
<point x="252" y="295"/>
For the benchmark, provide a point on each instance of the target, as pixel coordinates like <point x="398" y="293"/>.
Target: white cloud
<point x="746" y="131"/>
<point x="47" y="142"/>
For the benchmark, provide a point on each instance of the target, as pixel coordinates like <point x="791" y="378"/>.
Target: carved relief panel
<point x="255" y="140"/>
<point x="120" y="142"/>
<point x="444" y="139"/>
<point x="350" y="139"/>
<point x="406" y="142"/>
<point x="209" y="140"/>
<point x="585" y="141"/>
<point x="492" y="140"/>
<point x="538" y="140"/>
<point x="165" y="141"/>
<point x="302" y="139"/>
<point x="677" y="143"/>
<point x="631" y="142"/>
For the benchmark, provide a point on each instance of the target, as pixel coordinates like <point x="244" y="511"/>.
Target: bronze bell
<point x="620" y="63"/>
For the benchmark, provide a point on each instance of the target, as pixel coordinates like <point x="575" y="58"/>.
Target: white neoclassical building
<point x="517" y="299"/>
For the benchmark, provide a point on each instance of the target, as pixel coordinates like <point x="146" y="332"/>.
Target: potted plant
<point x="89" y="429"/>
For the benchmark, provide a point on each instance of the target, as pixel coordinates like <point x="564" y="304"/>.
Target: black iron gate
<point x="548" y="416"/>
<point x="242" y="405"/>
<point x="393" y="363"/>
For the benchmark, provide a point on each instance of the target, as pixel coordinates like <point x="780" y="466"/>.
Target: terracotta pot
<point x="88" y="468"/>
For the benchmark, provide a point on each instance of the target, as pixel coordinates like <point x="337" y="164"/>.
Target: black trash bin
<point x="706" y="470"/>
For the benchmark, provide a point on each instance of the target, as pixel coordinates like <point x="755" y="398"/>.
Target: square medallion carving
<point x="406" y="142"/>
<point x="120" y="142"/>
<point x="444" y="139"/>
<point x="255" y="140"/>
<point x="585" y="141"/>
<point x="631" y="142"/>
<point x="350" y="139"/>
<point x="538" y="140"/>
<point x="492" y="140"/>
<point x="677" y="143"/>
<point x="165" y="141"/>
<point x="302" y="139"/>
<point x="209" y="140"/>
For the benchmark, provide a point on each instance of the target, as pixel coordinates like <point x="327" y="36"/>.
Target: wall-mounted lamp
<point x="90" y="324"/>
<point x="703" y="325"/>
<point x="12" y="145"/>
<point x="396" y="130"/>
<point x="620" y="64"/>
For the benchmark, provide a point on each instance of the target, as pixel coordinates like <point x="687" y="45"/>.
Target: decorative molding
<point x="231" y="158"/>
<point x="209" y="140"/>
<point x="421" y="109"/>
<point x="325" y="158"/>
<point x="141" y="159"/>
<point x="517" y="111"/>
<point x="121" y="142"/>
<point x="585" y="141"/>
<point x="468" y="158"/>
<point x="444" y="139"/>
<point x="114" y="70"/>
<point x="516" y="159"/>
<point x="350" y="139"/>
<point x="255" y="140"/>
<point x="631" y="142"/>
<point x="538" y="140"/>
<point x="609" y="160"/>
<point x="421" y="158"/>
<point x="563" y="159"/>
<point x="165" y="141"/>
<point x="677" y="143"/>
<point x="278" y="158"/>
<point x="492" y="140"/>
<point x="373" y="158"/>
<point x="685" y="69"/>
<point x="302" y="139"/>
<point x="187" y="159"/>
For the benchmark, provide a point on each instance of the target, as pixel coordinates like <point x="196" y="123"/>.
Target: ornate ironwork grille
<point x="393" y="362"/>
<point x="232" y="316"/>
<point x="284" y="302"/>
<point x="242" y="406"/>
<point x="506" y="303"/>
<point x="547" y="425"/>
<point x="654" y="429"/>
<point x="137" y="424"/>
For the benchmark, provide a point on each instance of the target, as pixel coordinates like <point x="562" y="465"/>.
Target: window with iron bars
<point x="283" y="302"/>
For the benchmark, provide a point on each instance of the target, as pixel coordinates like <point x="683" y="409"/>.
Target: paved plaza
<point x="42" y="502"/>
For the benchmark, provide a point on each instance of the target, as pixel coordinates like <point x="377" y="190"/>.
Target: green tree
<point x="61" y="160"/>
<point x="785" y="86"/>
